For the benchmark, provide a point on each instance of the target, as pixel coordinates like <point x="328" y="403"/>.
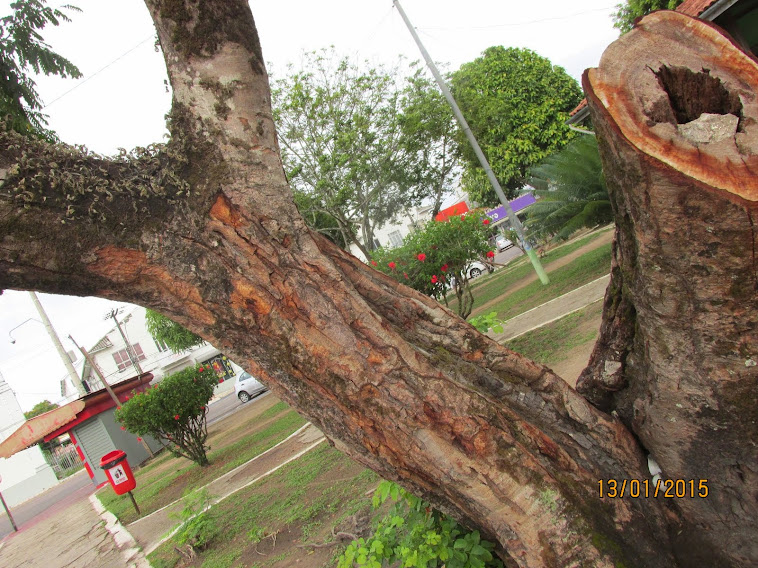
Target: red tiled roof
<point x="695" y="7"/>
<point x="579" y="107"/>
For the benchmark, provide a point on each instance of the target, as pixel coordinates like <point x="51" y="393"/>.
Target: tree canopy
<point x="176" y="337"/>
<point x="338" y="122"/>
<point x="516" y="103"/>
<point x="22" y="50"/>
<point x="40" y="408"/>
<point x="630" y="10"/>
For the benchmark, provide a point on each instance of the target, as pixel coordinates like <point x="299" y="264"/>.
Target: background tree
<point x="338" y="124"/>
<point x="430" y="139"/>
<point x="393" y="378"/>
<point x="22" y="50"/>
<point x="516" y="103"/>
<point x="174" y="412"/>
<point x="40" y="408"/>
<point x="571" y="190"/>
<point x="176" y="337"/>
<point x="434" y="260"/>
<point x="629" y="10"/>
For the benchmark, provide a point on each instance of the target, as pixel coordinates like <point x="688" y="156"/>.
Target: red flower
<point x="486" y="222"/>
<point x="201" y="369"/>
<point x="123" y="428"/>
<point x="421" y="256"/>
<point x="373" y="263"/>
<point x="490" y="254"/>
<point x="392" y="265"/>
<point x="444" y="268"/>
<point x="176" y="417"/>
<point x="202" y="408"/>
<point x="463" y="217"/>
<point x="220" y="381"/>
<point x="406" y="275"/>
<point x="139" y="439"/>
<point x="434" y="279"/>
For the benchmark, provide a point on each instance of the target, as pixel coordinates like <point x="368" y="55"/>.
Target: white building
<point x="27" y="473"/>
<point x="115" y="363"/>
<point x="392" y="233"/>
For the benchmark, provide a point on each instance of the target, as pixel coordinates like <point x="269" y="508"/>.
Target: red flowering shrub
<point x="175" y="413"/>
<point x="435" y="259"/>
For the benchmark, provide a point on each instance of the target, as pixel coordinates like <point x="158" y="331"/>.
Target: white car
<point x="476" y="268"/>
<point x="246" y="386"/>
<point x="502" y="243"/>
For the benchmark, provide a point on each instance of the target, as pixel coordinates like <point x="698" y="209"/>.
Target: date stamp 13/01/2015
<point x="645" y="488"/>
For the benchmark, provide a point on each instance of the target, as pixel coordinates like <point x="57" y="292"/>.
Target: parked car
<point x="246" y="386"/>
<point x="476" y="268"/>
<point x="502" y="243"/>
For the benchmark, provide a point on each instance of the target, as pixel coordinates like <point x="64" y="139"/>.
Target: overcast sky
<point x="122" y="99"/>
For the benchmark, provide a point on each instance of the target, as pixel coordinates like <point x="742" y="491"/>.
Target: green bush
<point x="413" y="534"/>
<point x="174" y="412"/>
<point x="433" y="260"/>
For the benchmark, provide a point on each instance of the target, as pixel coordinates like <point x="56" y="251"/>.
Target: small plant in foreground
<point x="174" y="412"/>
<point x="486" y="321"/>
<point x="198" y="527"/>
<point x="413" y="534"/>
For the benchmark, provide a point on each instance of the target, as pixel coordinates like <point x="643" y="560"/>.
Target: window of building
<point x="396" y="239"/>
<point x="161" y="345"/>
<point x="122" y="357"/>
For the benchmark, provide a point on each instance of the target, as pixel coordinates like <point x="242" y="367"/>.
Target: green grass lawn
<point x="488" y="287"/>
<point x="267" y="523"/>
<point x="167" y="477"/>
<point x="551" y="343"/>
<point x="585" y="269"/>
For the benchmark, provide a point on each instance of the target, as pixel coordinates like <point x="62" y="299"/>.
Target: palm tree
<point x="571" y="191"/>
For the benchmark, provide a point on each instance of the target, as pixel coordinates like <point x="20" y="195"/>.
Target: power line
<point x="96" y="73"/>
<point x="516" y="24"/>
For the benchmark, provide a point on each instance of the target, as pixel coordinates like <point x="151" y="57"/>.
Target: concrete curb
<point x="127" y="546"/>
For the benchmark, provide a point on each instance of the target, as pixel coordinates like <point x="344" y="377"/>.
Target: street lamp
<point x="13" y="341"/>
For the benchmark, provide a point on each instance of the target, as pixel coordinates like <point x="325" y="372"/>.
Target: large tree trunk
<point x="675" y="108"/>
<point x="205" y="231"/>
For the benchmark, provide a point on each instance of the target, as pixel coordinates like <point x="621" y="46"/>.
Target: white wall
<point x="26" y="473"/>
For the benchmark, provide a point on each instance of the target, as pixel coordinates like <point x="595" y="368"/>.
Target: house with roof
<point x="130" y="350"/>
<point x="738" y="17"/>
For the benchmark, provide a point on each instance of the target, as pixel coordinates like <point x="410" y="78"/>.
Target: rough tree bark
<point x="204" y="230"/>
<point x="675" y="108"/>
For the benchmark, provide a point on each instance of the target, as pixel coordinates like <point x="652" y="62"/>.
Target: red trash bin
<point x="118" y="472"/>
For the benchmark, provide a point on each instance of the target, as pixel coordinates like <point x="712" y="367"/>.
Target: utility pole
<point x="514" y="221"/>
<point x="111" y="393"/>
<point x="97" y="372"/>
<point x="132" y="357"/>
<point x="61" y="352"/>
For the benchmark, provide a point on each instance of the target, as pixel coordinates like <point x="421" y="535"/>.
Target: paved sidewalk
<point x="552" y="310"/>
<point x="72" y="537"/>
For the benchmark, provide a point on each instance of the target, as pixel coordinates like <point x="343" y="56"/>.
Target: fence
<point x="64" y="460"/>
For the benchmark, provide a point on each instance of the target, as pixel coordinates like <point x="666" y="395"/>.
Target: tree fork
<point x="392" y="377"/>
<point x="675" y="107"/>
